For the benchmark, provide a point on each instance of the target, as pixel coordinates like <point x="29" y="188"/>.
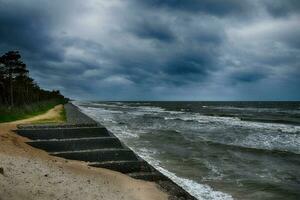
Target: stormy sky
<point x="158" y="49"/>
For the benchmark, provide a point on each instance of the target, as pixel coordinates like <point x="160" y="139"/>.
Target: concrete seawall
<point x="82" y="138"/>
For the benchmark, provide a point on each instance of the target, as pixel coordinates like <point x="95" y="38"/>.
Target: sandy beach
<point x="29" y="173"/>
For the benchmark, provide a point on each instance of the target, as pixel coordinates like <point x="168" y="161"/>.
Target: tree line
<point x="17" y="88"/>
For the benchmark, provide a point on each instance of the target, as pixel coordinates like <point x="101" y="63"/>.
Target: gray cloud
<point x="151" y="29"/>
<point x="27" y="31"/>
<point x="214" y="7"/>
<point x="279" y="8"/>
<point x="157" y="50"/>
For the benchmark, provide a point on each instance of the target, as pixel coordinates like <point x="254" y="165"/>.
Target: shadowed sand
<point x="30" y="173"/>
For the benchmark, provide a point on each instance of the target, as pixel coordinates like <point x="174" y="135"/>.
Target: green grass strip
<point x="27" y="111"/>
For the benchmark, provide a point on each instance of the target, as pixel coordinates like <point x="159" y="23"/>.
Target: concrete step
<point x="55" y="125"/>
<point x="125" y="166"/>
<point x="76" y="144"/>
<point x="98" y="155"/>
<point x="175" y="190"/>
<point x="148" y="176"/>
<point x="63" y="133"/>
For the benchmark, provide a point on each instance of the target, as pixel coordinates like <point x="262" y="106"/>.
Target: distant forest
<point x="16" y="87"/>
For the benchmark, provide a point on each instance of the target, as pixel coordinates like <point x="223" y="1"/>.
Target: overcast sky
<point x="158" y="49"/>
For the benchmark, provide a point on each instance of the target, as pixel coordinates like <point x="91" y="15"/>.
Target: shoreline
<point x="30" y="173"/>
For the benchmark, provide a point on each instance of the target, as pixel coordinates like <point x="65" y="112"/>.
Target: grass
<point x="27" y="111"/>
<point x="54" y="120"/>
<point x="63" y="115"/>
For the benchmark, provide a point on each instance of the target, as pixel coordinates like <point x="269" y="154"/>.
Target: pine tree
<point x="12" y="67"/>
<point x="16" y="87"/>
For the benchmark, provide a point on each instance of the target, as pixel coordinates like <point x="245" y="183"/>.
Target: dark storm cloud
<point x="247" y="76"/>
<point x="280" y="8"/>
<point x="184" y="67"/>
<point x="190" y="64"/>
<point x="27" y="30"/>
<point x="157" y="49"/>
<point x="214" y="7"/>
<point x="151" y="29"/>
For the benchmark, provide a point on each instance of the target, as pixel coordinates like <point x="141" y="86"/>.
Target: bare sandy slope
<point x="30" y="173"/>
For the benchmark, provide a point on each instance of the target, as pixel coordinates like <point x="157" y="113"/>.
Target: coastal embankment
<point x="30" y="173"/>
<point x="82" y="138"/>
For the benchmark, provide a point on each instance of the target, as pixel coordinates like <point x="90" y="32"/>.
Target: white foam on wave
<point x="188" y="118"/>
<point x="142" y="110"/>
<point x="123" y="133"/>
<point x="139" y="107"/>
<point x="269" y="126"/>
<point x="269" y="136"/>
<point x="214" y="174"/>
<point x="150" y="109"/>
<point x="236" y="122"/>
<point x="257" y="109"/>
<point x="99" y="114"/>
<point x="111" y="105"/>
<point x="257" y="135"/>
<point x="281" y="141"/>
<point x="105" y="117"/>
<point x="200" y="191"/>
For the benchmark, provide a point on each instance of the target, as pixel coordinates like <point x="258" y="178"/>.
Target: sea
<point x="214" y="150"/>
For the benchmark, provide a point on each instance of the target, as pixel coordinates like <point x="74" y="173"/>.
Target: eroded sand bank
<point x="30" y="173"/>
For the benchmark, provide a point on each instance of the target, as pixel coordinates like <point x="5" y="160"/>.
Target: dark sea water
<point x="215" y="150"/>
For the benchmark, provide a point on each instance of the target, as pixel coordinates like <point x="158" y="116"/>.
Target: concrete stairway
<point x="63" y="133"/>
<point x="97" y="146"/>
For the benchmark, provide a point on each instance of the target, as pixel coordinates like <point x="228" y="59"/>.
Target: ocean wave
<point x="236" y="122"/>
<point x="257" y="145"/>
<point x="187" y="119"/>
<point x="186" y="130"/>
<point x="214" y="174"/>
<point x="200" y="191"/>
<point x="261" y="136"/>
<point x="258" y="109"/>
<point x="124" y="133"/>
<point x="275" y="143"/>
<point x="111" y="105"/>
<point x="99" y="114"/>
<point x="268" y="136"/>
<point x="144" y="110"/>
<point x="150" y="109"/>
<point x="95" y="111"/>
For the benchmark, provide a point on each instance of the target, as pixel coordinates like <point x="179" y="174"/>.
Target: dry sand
<point x="29" y="173"/>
